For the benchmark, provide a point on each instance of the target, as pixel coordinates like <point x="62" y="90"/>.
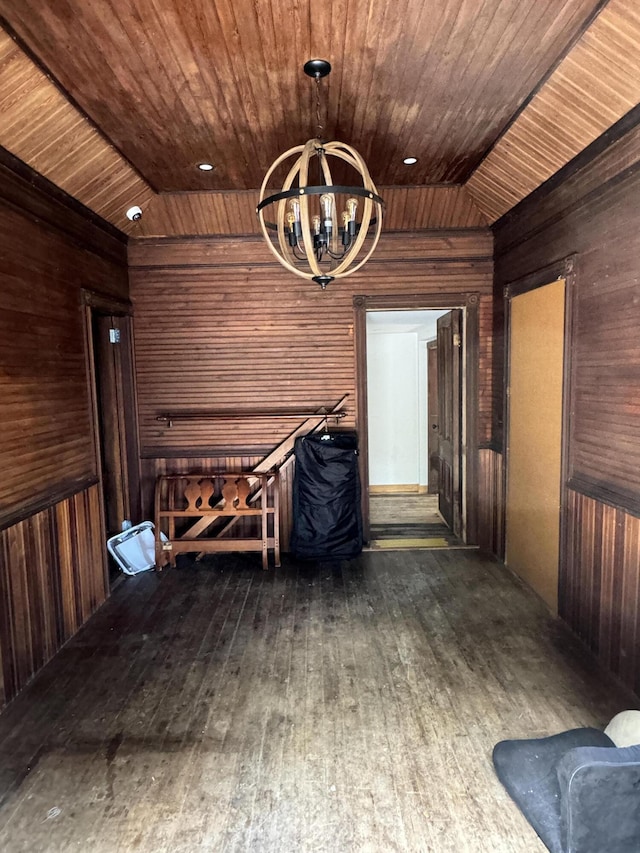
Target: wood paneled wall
<point x="221" y="326"/>
<point x="593" y="213"/>
<point x="51" y="559"/>
<point x="48" y="253"/>
<point x="52" y="578"/>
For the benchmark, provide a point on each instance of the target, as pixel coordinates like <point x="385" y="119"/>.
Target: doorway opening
<point x="416" y="375"/>
<point x="403" y="420"/>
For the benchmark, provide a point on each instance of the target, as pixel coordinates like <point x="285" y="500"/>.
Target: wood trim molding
<point x="490" y="445"/>
<point x="606" y="493"/>
<point x="107" y="304"/>
<point x="362" y="397"/>
<point x="567" y="396"/>
<point x="33" y="185"/>
<point x="584" y="200"/>
<point x="204" y="452"/>
<point x="399" y="489"/>
<point x="60" y="493"/>
<point x="545" y="275"/>
<point x="415" y="301"/>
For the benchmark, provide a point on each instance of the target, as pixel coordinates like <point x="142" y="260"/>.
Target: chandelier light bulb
<point x="294" y="204"/>
<point x="326" y="204"/>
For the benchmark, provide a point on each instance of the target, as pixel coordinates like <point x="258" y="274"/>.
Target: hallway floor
<point x="405" y="520"/>
<point x="320" y="708"/>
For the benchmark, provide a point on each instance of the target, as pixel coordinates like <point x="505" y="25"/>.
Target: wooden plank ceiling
<point x="593" y="87"/>
<point x="117" y="102"/>
<point x="40" y="126"/>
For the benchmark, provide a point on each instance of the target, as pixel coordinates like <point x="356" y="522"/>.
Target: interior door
<point x="112" y="358"/>
<point x="536" y="367"/>
<point x="449" y="431"/>
<point x="432" y="416"/>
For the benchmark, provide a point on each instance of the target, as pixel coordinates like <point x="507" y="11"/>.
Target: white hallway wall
<point x="397" y="395"/>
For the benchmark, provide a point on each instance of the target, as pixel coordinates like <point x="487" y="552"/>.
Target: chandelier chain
<point x="318" y="117"/>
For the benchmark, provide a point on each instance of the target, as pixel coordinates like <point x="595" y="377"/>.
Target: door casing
<point x="122" y="482"/>
<point x="561" y="269"/>
<point x="450" y="433"/>
<point x="432" y="415"/>
<point x="469" y="302"/>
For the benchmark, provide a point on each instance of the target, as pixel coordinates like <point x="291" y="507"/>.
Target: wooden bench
<point x="197" y="512"/>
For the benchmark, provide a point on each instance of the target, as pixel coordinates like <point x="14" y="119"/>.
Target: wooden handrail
<point x="225" y="414"/>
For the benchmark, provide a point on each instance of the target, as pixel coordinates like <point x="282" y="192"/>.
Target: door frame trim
<point x="92" y="301"/>
<point x="470" y="303"/>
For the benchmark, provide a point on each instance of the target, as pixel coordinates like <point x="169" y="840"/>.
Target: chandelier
<point x="317" y="229"/>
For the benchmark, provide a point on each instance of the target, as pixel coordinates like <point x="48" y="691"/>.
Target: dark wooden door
<point x="432" y="416"/>
<point x="115" y="404"/>
<point x="449" y="348"/>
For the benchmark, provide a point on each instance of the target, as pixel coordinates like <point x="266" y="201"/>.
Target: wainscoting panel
<point x="52" y="578"/>
<point x="49" y="253"/>
<point x="490" y="502"/>
<point x="600" y="586"/>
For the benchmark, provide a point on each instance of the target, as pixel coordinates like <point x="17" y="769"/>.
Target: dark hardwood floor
<point x="316" y="707"/>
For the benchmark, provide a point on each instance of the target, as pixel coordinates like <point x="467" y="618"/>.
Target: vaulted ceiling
<point x="117" y="101"/>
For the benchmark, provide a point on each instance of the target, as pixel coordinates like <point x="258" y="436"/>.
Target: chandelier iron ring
<point x="314" y="244"/>
<point x="294" y="193"/>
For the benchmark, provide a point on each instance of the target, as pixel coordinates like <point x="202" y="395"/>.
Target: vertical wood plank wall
<point x="490" y="502"/>
<point x="52" y="562"/>
<point x="220" y="325"/>
<point x="52" y="579"/>
<point x="593" y="211"/>
<point x="601" y="583"/>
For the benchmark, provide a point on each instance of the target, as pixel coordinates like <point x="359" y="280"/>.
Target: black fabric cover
<point x="327" y="522"/>
<point x="528" y="770"/>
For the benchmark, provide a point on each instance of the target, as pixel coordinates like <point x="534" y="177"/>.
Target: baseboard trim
<point x="397" y="489"/>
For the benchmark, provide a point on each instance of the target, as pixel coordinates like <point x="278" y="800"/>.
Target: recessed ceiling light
<point x="409" y="161"/>
<point x="205" y="167"/>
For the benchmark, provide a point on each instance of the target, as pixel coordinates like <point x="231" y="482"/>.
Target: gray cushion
<point x="600" y="800"/>
<point x="527" y="769"/>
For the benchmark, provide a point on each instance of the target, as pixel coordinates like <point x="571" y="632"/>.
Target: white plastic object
<point x="134" y="550"/>
<point x="134" y="213"/>
<point x="624" y="728"/>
